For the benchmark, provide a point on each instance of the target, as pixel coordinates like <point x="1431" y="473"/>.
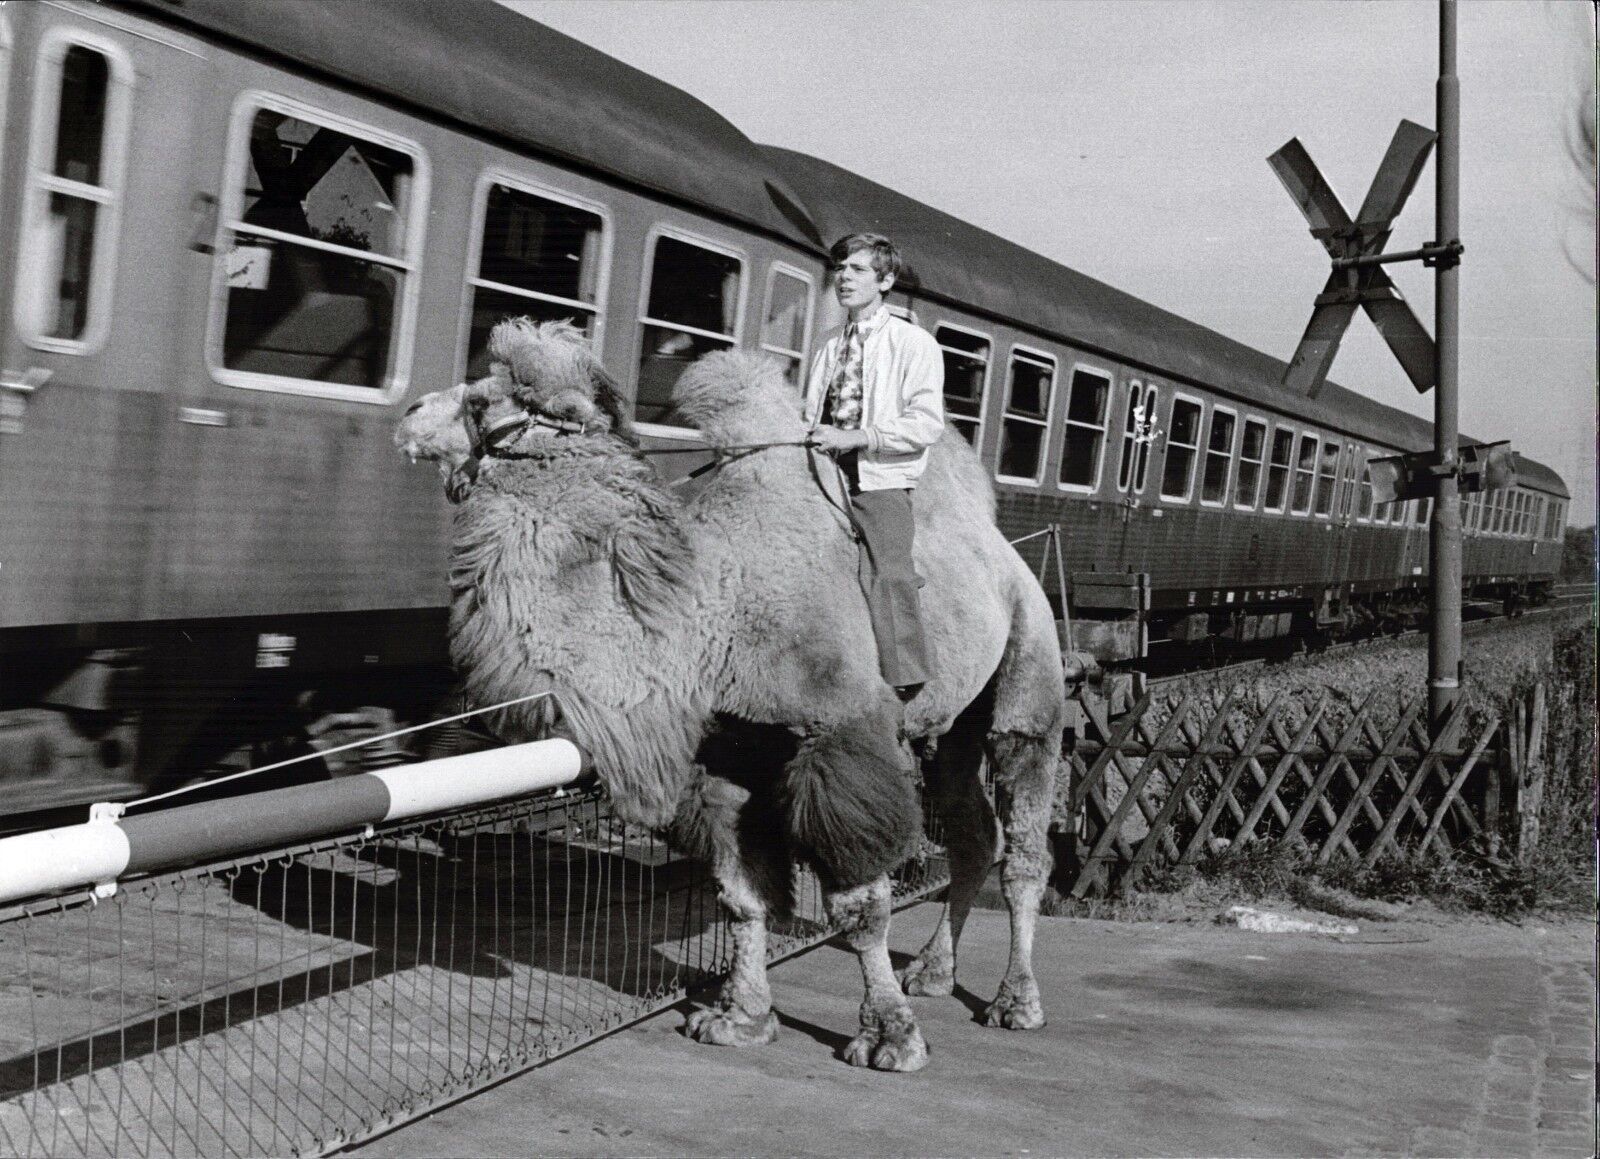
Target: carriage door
<point x="308" y="302"/>
<point x="1344" y="515"/>
<point x="93" y="176"/>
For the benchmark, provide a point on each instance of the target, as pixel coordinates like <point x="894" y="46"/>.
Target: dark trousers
<point x="891" y="583"/>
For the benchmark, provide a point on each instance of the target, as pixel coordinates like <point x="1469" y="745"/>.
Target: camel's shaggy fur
<point x="666" y="628"/>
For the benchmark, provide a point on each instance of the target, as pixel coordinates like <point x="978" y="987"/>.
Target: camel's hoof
<point x="718" y="1028"/>
<point x="1015" y="1011"/>
<point x="905" y="1052"/>
<point x="929" y="979"/>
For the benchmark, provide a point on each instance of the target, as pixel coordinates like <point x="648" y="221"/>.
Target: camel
<point x="713" y="660"/>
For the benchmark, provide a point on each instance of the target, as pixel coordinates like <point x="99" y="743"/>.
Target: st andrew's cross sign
<point x="1356" y="248"/>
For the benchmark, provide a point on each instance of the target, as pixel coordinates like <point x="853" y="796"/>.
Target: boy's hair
<point x="886" y="259"/>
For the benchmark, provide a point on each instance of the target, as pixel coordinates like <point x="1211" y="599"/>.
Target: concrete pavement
<point x="1446" y="1037"/>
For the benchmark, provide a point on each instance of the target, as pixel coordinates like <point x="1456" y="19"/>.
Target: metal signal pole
<point x="1444" y="642"/>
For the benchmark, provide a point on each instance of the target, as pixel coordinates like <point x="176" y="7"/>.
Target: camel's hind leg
<point x="967" y="831"/>
<point x="750" y="861"/>
<point x="1025" y="770"/>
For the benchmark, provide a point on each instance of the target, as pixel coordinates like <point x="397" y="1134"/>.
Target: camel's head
<point x="544" y="382"/>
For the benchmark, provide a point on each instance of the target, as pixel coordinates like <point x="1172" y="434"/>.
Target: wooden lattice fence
<point x="1166" y="783"/>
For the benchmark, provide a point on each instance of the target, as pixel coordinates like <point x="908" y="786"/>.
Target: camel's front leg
<point x="889" y="1038"/>
<point x="743" y="1014"/>
<point x="751" y="878"/>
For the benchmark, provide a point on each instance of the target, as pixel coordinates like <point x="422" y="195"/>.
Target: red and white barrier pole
<point x="107" y="847"/>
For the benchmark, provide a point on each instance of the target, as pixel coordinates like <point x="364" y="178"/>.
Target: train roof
<point x="496" y="72"/>
<point x="955" y="260"/>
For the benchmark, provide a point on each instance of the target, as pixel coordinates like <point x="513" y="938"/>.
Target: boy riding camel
<point x="875" y="401"/>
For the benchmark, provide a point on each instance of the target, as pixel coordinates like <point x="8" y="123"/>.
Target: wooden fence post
<point x="1532" y="776"/>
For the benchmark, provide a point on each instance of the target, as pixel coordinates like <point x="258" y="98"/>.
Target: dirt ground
<point x="1423" y="1035"/>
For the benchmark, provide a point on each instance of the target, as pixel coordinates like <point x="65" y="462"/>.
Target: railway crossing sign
<point x="1356" y="248"/>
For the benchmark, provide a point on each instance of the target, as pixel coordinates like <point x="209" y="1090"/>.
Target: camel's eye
<point x="414" y="407"/>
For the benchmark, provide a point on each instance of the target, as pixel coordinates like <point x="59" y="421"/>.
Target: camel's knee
<point x="850" y="801"/>
<point x="861" y="913"/>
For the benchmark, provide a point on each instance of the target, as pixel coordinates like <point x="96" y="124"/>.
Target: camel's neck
<point x="572" y="574"/>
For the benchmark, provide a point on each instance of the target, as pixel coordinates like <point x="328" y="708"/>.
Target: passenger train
<point x="237" y="239"/>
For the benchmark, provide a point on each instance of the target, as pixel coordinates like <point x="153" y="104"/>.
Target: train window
<point x="319" y="253"/>
<point x="540" y="256"/>
<point x="786" y="319"/>
<point x="1183" y="443"/>
<point x="1252" y="452"/>
<point x="1364" y="507"/>
<point x="692" y="308"/>
<point x="1328" y="476"/>
<point x="966" y="374"/>
<point x="1086" y="429"/>
<point x="82" y="106"/>
<point x="1279" y="469"/>
<point x="1030" y="385"/>
<point x="1219" y="457"/>
<point x="1305" y="474"/>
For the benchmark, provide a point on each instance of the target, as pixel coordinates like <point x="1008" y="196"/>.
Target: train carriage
<point x="1170" y="453"/>
<point x="237" y="239"/>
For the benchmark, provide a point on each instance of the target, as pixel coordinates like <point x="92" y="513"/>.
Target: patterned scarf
<point x="843" y="406"/>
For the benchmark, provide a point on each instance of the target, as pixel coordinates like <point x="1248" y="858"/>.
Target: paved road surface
<point x="1413" y="1038"/>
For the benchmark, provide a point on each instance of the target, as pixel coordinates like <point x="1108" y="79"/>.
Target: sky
<point x="1128" y="140"/>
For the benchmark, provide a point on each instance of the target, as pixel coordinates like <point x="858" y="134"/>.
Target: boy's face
<point x="857" y="284"/>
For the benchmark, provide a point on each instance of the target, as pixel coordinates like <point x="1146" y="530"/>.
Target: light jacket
<point x="902" y="398"/>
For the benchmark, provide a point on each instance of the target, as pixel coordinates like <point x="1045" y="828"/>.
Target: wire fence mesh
<point x="307" y="997"/>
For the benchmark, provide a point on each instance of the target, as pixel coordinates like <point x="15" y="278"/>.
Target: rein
<point x="496" y="437"/>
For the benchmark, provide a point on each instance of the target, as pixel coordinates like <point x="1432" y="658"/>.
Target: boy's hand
<point x="836" y="442"/>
